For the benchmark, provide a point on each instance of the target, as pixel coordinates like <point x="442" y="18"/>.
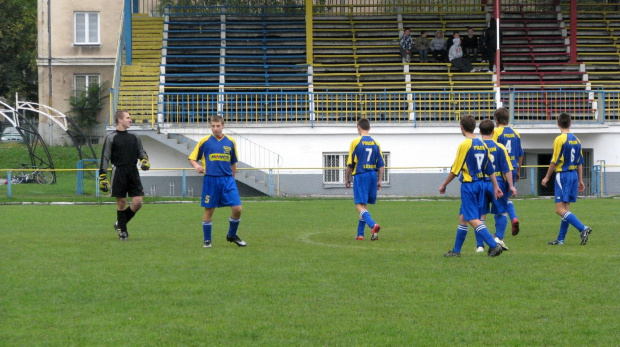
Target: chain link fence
<point x="185" y="183"/>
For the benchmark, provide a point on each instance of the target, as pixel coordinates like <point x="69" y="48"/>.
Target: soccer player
<point x="365" y="159"/>
<point x="471" y="164"/>
<point x="500" y="159"/>
<point x="511" y="139"/>
<point x="215" y="156"/>
<point x="123" y="150"/>
<point x="567" y="163"/>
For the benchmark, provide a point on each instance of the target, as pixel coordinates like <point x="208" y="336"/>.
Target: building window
<point x="86" y="25"/>
<point x="331" y="161"/>
<point x="83" y="82"/>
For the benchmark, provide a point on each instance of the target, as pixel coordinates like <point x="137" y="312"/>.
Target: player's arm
<point x="194" y="157"/>
<point x="106" y="154"/>
<point x="347" y="180"/>
<point x="233" y="167"/>
<point x="444" y="185"/>
<point x="582" y="186"/>
<point x="555" y="158"/>
<point x="550" y="172"/>
<point x="496" y="188"/>
<point x="144" y="158"/>
<point x="380" y="178"/>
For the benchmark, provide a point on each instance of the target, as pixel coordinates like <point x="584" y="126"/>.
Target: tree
<point x="18" y="49"/>
<point x="86" y="105"/>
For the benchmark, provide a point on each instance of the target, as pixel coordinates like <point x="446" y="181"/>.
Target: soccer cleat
<point x="236" y="240"/>
<point x="501" y="243"/>
<point x="207" y="244"/>
<point x="375" y="231"/>
<point x="515" y="226"/>
<point x="494" y="252"/>
<point x="479" y="249"/>
<point x="452" y="254"/>
<point x="556" y="242"/>
<point x="123" y="235"/>
<point x="361" y="238"/>
<point x="584" y="235"/>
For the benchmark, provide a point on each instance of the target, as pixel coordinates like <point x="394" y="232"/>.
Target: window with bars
<point x="86" y="28"/>
<point x="83" y="82"/>
<point x="339" y="160"/>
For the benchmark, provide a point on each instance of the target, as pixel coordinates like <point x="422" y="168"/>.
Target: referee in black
<point x="123" y="150"/>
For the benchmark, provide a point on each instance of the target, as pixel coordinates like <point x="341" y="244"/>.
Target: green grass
<point x="303" y="279"/>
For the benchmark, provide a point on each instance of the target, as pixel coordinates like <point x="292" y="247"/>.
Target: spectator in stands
<point x="470" y="46"/>
<point x="449" y="40"/>
<point x="422" y="44"/>
<point x="456" y="57"/>
<point x="482" y="46"/>
<point x="492" y="46"/>
<point x="406" y="46"/>
<point x="438" y="47"/>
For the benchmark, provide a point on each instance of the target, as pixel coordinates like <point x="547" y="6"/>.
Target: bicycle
<point x="41" y="177"/>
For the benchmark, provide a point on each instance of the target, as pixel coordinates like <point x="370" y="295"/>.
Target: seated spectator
<point x="438" y="48"/>
<point x="470" y="46"/>
<point x="449" y="40"/>
<point x="422" y="44"/>
<point x="456" y="57"/>
<point x="406" y="46"/>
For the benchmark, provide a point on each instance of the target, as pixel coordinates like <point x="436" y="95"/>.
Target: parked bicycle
<point x="41" y="177"/>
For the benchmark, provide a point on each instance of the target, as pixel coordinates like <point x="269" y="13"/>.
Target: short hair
<point x="364" y="123"/>
<point x="486" y="127"/>
<point x="119" y="115"/>
<point x="501" y="115"/>
<point x="406" y="29"/>
<point x="468" y="123"/>
<point x="217" y="119"/>
<point x="564" y="120"/>
<point x="470" y="28"/>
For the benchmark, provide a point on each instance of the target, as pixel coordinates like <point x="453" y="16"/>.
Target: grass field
<point x="303" y="279"/>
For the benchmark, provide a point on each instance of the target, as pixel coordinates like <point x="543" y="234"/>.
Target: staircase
<point x="140" y="81"/>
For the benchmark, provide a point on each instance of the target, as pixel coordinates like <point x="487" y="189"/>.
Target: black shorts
<point x="126" y="182"/>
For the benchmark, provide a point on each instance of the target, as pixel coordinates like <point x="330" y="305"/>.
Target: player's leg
<point x="459" y="240"/>
<point x="566" y="190"/>
<point x="473" y="193"/>
<point x="207" y="226"/>
<point x="499" y="210"/>
<point x="479" y="240"/>
<point x="229" y="196"/>
<point x="512" y="214"/>
<point x="121" y="219"/>
<point x="364" y="193"/>
<point x="361" y="223"/>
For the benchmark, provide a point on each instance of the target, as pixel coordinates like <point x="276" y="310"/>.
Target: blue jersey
<point x="217" y="155"/>
<point x="566" y="152"/>
<point x="512" y="141"/>
<point x="499" y="158"/>
<point x="365" y="155"/>
<point x="472" y="161"/>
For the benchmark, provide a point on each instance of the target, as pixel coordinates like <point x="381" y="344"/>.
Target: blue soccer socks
<point x="564" y="224"/>
<point x="486" y="235"/>
<point x="574" y="221"/>
<point x="511" y="211"/>
<point x="232" y="228"/>
<point x="206" y="230"/>
<point x="461" y="234"/>
<point x="365" y="215"/>
<point x="501" y="222"/>
<point x="361" y="224"/>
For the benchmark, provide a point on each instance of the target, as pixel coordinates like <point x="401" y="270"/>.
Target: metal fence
<point x="600" y="180"/>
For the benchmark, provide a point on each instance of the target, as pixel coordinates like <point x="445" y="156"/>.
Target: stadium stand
<point x="140" y="81"/>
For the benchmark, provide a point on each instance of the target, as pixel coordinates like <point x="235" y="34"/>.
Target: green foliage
<point x="18" y="49"/>
<point x="303" y="280"/>
<point x="86" y="106"/>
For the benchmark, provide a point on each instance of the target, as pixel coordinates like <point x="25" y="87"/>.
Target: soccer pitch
<point x="304" y="279"/>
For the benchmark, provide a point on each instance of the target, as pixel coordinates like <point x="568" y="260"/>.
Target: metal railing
<point x="600" y="180"/>
<point x="245" y="106"/>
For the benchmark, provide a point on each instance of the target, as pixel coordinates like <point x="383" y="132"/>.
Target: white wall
<point x="303" y="147"/>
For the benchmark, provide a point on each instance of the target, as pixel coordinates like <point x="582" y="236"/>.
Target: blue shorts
<point x="365" y="188"/>
<point x="566" y="186"/>
<point x="218" y="191"/>
<point x="498" y="206"/>
<point x="472" y="200"/>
